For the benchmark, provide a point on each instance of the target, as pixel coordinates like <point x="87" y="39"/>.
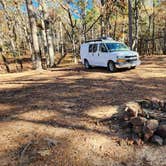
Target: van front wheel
<point x="111" y="67"/>
<point x="86" y="64"/>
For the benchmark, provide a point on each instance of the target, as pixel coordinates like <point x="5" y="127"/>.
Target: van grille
<point x="131" y="58"/>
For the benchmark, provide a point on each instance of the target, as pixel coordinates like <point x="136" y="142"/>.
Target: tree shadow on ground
<point x="75" y="96"/>
<point x="67" y="101"/>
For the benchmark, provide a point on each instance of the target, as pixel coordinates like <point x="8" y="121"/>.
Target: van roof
<point x="103" y="40"/>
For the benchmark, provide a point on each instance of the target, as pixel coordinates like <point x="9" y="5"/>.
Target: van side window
<point x="91" y="48"/>
<point x="102" y="48"/>
<point x="95" y="47"/>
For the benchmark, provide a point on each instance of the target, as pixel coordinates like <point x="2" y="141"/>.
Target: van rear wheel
<point x="111" y="67"/>
<point x="86" y="64"/>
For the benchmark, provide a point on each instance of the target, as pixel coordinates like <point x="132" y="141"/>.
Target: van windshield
<point x="117" y="47"/>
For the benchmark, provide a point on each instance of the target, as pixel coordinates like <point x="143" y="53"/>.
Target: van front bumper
<point x="128" y="64"/>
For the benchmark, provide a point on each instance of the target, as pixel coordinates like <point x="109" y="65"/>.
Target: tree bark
<point x="5" y="62"/>
<point x="50" y="48"/>
<point x="153" y="29"/>
<point x="48" y="34"/>
<point x="136" y="25"/>
<point x="164" y="50"/>
<point x="61" y="39"/>
<point x="130" y="22"/>
<point x="36" y="59"/>
<point x="115" y="25"/>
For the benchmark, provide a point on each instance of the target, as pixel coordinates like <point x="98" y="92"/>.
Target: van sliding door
<point x="95" y="55"/>
<point x="102" y="55"/>
<point x="92" y="58"/>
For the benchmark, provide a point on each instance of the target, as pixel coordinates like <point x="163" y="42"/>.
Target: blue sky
<point x="36" y="4"/>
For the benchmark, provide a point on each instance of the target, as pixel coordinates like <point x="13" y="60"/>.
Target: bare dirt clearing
<point x="51" y="117"/>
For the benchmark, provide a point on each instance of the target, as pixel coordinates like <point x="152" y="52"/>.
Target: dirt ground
<point x="51" y="118"/>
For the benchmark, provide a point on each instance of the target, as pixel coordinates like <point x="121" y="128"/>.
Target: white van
<point x="108" y="53"/>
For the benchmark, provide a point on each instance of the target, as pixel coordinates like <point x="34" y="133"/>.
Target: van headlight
<point x="121" y="60"/>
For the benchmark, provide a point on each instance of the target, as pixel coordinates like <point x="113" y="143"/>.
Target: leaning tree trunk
<point x="130" y="22"/>
<point x="6" y="64"/>
<point x="35" y="43"/>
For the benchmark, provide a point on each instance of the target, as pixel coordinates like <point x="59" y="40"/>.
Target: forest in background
<point x="54" y="111"/>
<point x="45" y="31"/>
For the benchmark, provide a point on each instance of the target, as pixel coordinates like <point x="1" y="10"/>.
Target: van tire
<point x="133" y="67"/>
<point x="111" y="67"/>
<point x="86" y="64"/>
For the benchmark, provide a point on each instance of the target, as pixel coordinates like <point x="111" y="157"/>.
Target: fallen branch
<point x="23" y="152"/>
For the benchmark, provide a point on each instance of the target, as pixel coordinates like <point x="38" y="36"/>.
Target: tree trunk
<point x="48" y="31"/>
<point x="102" y="31"/>
<point x="43" y="45"/>
<point x="136" y="25"/>
<point x="74" y="50"/>
<point x="84" y="25"/>
<point x="153" y="29"/>
<point x="130" y="22"/>
<point x="36" y="59"/>
<point x="115" y="25"/>
<point x="50" y="48"/>
<point x="164" y="50"/>
<point x="5" y="62"/>
<point x="61" y="39"/>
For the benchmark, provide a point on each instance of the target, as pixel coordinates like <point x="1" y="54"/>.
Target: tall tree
<point x="135" y="46"/>
<point x="47" y="32"/>
<point x="153" y="28"/>
<point x="36" y="58"/>
<point x="130" y="23"/>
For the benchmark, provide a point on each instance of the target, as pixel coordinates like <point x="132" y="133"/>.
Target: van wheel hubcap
<point x="111" y="66"/>
<point x="86" y="64"/>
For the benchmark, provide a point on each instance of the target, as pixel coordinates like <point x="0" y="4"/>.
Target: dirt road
<point x="51" y="117"/>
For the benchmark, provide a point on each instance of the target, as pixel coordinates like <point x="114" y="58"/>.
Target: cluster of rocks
<point x="145" y="120"/>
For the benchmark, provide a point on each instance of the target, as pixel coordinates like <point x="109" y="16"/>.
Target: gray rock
<point x="138" y="130"/>
<point x="163" y="106"/>
<point x="147" y="134"/>
<point x="149" y="128"/>
<point x="138" y="121"/>
<point x="145" y="113"/>
<point x="152" y="124"/>
<point x="145" y="103"/>
<point x="161" y="131"/>
<point x="136" y="139"/>
<point x="164" y="142"/>
<point x="126" y="116"/>
<point x="125" y="124"/>
<point x="155" y="105"/>
<point x="157" y="140"/>
<point x="133" y="108"/>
